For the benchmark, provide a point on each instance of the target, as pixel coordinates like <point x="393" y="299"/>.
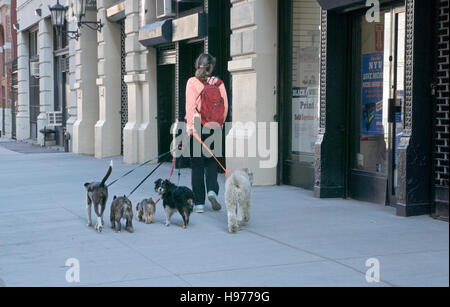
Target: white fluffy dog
<point x="238" y="197"/>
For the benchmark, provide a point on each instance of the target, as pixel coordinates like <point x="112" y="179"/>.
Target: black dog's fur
<point x="175" y="198"/>
<point x="97" y="193"/>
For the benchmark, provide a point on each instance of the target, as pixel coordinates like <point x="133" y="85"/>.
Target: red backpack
<point x="212" y="105"/>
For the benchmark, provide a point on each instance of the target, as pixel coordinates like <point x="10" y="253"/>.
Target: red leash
<point x="180" y="147"/>
<point x="209" y="150"/>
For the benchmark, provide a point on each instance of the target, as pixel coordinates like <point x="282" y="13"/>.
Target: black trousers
<point x="203" y="169"/>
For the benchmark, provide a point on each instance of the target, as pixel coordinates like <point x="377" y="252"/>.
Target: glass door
<point x="377" y="120"/>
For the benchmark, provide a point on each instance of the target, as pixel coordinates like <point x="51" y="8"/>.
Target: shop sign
<point x="304" y="118"/>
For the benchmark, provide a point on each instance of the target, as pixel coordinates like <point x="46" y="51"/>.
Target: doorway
<point x="189" y="52"/>
<point x="166" y="103"/>
<point x="378" y="53"/>
<point x="62" y="94"/>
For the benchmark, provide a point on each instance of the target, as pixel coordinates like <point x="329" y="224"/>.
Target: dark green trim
<point x="284" y="83"/>
<point x="413" y="209"/>
<point x="331" y="146"/>
<point x="415" y="151"/>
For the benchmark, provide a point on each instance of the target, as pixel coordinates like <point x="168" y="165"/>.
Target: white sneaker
<point x="212" y="197"/>
<point x="199" y="208"/>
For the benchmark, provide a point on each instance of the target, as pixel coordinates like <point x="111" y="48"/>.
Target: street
<point x="292" y="238"/>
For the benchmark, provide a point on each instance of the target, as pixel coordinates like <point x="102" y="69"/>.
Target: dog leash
<point x="140" y="165"/>
<point x="143" y="180"/>
<point x="209" y="150"/>
<point x="180" y="147"/>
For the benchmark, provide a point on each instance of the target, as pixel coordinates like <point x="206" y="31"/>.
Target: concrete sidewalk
<point x="292" y="239"/>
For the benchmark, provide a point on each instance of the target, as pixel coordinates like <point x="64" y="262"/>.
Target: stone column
<point x="148" y="130"/>
<point x="134" y="78"/>
<point x="253" y="67"/>
<point x="23" y="99"/>
<point x="107" y="129"/>
<point x="72" y="103"/>
<point x="46" y="75"/>
<point x="86" y="90"/>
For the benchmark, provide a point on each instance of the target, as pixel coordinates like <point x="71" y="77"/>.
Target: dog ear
<point x="86" y="185"/>
<point x="114" y="197"/>
<point x="137" y="207"/>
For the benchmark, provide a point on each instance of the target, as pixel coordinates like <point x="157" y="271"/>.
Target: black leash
<point x="140" y="165"/>
<point x="143" y="180"/>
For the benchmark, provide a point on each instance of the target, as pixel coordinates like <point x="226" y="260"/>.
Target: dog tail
<point x="107" y="174"/>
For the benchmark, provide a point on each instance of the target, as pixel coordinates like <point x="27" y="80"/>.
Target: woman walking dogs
<point x="207" y="102"/>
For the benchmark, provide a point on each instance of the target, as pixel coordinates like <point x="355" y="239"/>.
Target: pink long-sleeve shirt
<point x="193" y="89"/>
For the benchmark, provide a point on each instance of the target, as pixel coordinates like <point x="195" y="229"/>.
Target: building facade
<point x="8" y="71"/>
<point x="383" y="128"/>
<point x="354" y="99"/>
<point x="45" y="75"/>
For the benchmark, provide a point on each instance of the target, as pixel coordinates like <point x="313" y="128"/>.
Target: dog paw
<point x="130" y="229"/>
<point x="89" y="224"/>
<point x="233" y="228"/>
<point x="100" y="228"/>
<point x="167" y="224"/>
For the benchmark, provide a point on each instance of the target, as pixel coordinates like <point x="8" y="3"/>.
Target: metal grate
<point x="123" y="85"/>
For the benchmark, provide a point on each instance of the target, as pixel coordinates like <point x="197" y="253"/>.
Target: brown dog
<point x="146" y="208"/>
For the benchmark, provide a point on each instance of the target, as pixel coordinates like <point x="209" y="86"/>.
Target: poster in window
<point x="304" y="119"/>
<point x="372" y="94"/>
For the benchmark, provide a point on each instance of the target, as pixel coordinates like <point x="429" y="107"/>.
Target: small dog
<point x="146" y="208"/>
<point x="238" y="198"/>
<point x="121" y="208"/>
<point x="97" y="193"/>
<point x="175" y="198"/>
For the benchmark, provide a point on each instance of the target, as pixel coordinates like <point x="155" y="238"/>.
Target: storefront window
<point x="305" y="78"/>
<point x="381" y="94"/>
<point x="372" y="154"/>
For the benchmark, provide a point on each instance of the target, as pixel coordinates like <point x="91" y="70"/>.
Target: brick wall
<point x="441" y="148"/>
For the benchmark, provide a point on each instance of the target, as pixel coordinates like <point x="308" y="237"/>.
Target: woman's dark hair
<point x="202" y="65"/>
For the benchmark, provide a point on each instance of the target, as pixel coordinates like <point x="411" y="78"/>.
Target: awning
<point x="156" y="33"/>
<point x="116" y="11"/>
<point x="339" y="4"/>
<point x="343" y="5"/>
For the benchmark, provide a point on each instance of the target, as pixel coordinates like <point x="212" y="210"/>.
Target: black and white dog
<point x="97" y="193"/>
<point x="175" y="198"/>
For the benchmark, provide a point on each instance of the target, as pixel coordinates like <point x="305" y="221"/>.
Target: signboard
<point x="372" y="94"/>
<point x="305" y="119"/>
<point x="308" y="66"/>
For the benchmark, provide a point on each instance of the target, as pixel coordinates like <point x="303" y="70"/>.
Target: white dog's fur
<point x="238" y="188"/>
